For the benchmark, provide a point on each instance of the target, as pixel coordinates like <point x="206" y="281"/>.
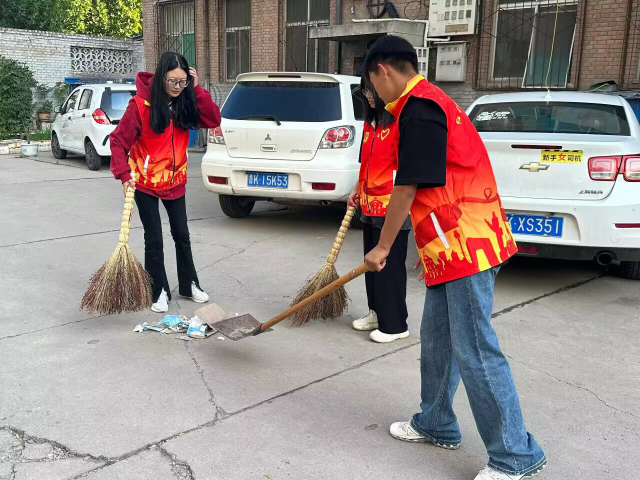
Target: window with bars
<point x="533" y="42"/>
<point x="176" y="22"/>
<point x="237" y="37"/>
<point x="303" y="54"/>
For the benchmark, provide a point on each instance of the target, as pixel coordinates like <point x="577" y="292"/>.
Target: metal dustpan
<point x="242" y="326"/>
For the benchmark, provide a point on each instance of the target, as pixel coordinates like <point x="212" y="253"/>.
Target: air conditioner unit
<point x="423" y="60"/>
<point x="452" y="17"/>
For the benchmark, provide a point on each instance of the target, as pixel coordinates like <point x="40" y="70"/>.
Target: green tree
<point x="118" y="18"/>
<point x="16" y="97"/>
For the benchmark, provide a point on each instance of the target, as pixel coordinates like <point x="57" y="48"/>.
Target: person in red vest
<point x="149" y="153"/>
<point x="386" y="290"/>
<point x="445" y="180"/>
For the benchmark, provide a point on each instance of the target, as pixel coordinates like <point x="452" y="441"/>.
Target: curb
<point x="12" y="148"/>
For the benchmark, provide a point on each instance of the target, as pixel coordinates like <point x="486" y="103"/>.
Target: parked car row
<point x="567" y="163"/>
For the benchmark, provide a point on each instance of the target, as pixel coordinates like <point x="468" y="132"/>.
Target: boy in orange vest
<point x="445" y="181"/>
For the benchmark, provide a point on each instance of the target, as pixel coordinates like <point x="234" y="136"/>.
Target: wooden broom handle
<point x="342" y="233"/>
<point x="125" y="224"/>
<point x="346" y="278"/>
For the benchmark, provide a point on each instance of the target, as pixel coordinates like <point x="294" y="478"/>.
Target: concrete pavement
<point x="86" y="397"/>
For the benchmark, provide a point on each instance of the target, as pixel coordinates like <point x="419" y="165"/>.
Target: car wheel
<point x="236" y="207"/>
<point x="94" y="161"/>
<point x="356" y="220"/>
<point x="630" y="270"/>
<point x="58" y="152"/>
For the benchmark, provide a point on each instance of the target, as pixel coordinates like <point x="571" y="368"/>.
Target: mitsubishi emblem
<point x="267" y="138"/>
<point x="534" y="167"/>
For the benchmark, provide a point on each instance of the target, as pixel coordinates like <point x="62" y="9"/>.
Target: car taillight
<point x="338" y="137"/>
<point x="100" y="117"/>
<point x="215" y="136"/>
<point x="218" y="180"/>
<point x="631" y="168"/>
<point x="323" y="186"/>
<point x="604" y="169"/>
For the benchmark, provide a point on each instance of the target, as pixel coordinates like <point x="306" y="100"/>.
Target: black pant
<point x="153" y="244"/>
<point x="387" y="290"/>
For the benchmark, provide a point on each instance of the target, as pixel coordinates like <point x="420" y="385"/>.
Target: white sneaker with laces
<point x="366" y="323"/>
<point x="162" y="305"/>
<point x="488" y="473"/>
<point x="405" y="432"/>
<point x="198" y="295"/>
<point x="379" y="337"/>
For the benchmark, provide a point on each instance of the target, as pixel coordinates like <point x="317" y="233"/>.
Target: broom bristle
<point x="330" y="306"/>
<point x="120" y="285"/>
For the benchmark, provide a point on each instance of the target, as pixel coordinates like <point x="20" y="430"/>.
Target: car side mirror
<point x="57" y="109"/>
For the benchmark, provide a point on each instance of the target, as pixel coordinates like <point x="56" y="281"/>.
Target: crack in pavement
<point x="180" y="469"/>
<point x="545" y="295"/>
<point x="50" y="328"/>
<point x="566" y="382"/>
<point x="220" y="412"/>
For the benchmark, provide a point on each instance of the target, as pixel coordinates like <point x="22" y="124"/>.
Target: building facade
<point x="468" y="47"/>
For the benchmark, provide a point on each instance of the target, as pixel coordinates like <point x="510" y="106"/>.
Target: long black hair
<point x="379" y="114"/>
<point x="184" y="106"/>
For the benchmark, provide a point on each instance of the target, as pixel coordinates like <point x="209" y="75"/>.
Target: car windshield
<point x="115" y="103"/>
<point x="286" y="101"/>
<point x="551" y="117"/>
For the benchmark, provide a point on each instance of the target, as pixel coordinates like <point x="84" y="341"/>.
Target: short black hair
<point x="394" y="51"/>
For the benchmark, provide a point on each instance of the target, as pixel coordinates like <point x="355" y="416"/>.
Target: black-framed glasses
<point x="177" y="83"/>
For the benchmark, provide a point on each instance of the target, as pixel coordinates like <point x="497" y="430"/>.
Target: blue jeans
<point x="458" y="341"/>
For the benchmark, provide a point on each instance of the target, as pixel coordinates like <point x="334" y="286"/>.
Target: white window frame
<point x="522" y="5"/>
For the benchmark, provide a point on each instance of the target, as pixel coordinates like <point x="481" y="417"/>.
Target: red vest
<point x="461" y="228"/>
<point x="167" y="153"/>
<point x="379" y="157"/>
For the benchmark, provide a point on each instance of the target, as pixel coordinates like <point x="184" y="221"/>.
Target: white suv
<point x="87" y="118"/>
<point x="286" y="138"/>
<point x="568" y="170"/>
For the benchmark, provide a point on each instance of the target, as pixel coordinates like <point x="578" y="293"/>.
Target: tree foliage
<point x="16" y="97"/>
<point x="117" y="18"/>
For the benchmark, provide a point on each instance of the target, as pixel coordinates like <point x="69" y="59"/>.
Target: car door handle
<point x="84" y="115"/>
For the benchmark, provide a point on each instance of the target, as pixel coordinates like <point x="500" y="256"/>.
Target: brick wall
<point x="48" y="54"/>
<point x="265" y="22"/>
<point x="150" y="29"/>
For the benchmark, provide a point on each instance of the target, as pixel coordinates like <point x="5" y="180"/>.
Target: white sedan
<point x="568" y="170"/>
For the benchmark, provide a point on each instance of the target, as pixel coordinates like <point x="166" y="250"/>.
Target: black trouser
<point x="153" y="245"/>
<point x="387" y="290"/>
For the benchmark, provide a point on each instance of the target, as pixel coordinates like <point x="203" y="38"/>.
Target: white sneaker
<point x="405" y="432"/>
<point x="162" y="305"/>
<point x="379" y="337"/>
<point x="488" y="473"/>
<point x="198" y="295"/>
<point x="366" y="323"/>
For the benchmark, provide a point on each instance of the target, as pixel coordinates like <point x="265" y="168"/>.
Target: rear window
<point x="552" y="117"/>
<point x="115" y="103"/>
<point x="287" y="101"/>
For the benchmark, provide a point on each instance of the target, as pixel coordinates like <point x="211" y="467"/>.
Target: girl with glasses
<point x="149" y="153"/>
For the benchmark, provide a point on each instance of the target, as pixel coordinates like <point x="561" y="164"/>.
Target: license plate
<point x="561" y="156"/>
<point x="268" y="180"/>
<point x="535" y="225"/>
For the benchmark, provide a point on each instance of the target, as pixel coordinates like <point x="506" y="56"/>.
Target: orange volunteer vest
<point x="379" y="157"/>
<point x="461" y="228"/>
<point x="167" y="153"/>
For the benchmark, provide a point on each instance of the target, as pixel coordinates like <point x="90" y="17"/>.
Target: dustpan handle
<point x="125" y="224"/>
<point x="346" y="278"/>
<point x="342" y="233"/>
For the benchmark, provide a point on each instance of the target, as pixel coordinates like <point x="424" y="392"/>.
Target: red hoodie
<point x="130" y="130"/>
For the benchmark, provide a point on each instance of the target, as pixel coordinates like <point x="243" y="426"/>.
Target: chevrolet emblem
<point x="534" y="167"/>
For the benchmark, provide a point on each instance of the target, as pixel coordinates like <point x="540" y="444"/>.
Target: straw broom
<point x="122" y="284"/>
<point x="334" y="304"/>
